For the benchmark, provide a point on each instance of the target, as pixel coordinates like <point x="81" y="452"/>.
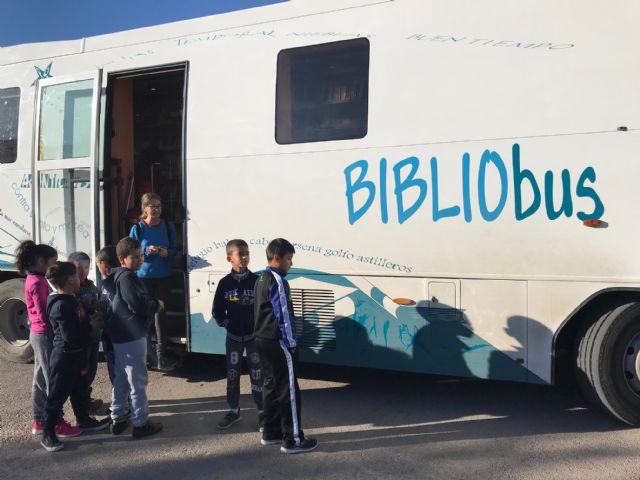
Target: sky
<point x="27" y="21"/>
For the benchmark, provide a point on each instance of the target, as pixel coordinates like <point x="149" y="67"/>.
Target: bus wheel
<point x="608" y="363"/>
<point x="14" y="326"/>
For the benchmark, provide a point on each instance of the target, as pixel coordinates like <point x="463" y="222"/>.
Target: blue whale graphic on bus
<point x="405" y="178"/>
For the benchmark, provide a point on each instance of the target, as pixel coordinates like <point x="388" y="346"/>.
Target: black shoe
<point x="228" y="420"/>
<point x="94" y="405"/>
<point x="271" y="439"/>
<point x="51" y="443"/>
<point x="90" y="424"/>
<point x="149" y="428"/>
<point x="306" y="445"/>
<point x="118" y="427"/>
<point x="163" y="364"/>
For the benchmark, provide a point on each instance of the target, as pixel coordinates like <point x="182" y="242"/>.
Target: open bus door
<point x="64" y="165"/>
<point x="143" y="150"/>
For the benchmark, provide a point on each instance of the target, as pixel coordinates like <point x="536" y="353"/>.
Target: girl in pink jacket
<point x="33" y="260"/>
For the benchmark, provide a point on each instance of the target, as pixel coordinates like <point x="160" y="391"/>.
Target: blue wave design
<point x="412" y="340"/>
<point x="7" y="265"/>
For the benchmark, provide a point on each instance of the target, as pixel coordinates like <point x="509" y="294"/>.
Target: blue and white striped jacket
<point x="274" y="318"/>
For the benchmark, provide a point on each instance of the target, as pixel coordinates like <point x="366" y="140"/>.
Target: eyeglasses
<point x="155" y="206"/>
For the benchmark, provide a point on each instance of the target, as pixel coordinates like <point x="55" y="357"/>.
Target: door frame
<point x="105" y="152"/>
<point x="90" y="161"/>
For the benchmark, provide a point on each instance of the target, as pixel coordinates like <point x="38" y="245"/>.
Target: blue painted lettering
<point x="518" y="176"/>
<point x="487" y="158"/>
<point x="359" y="184"/>
<point x="408" y="182"/>
<point x="384" y="211"/>
<point x="567" y="204"/>
<point x="582" y="191"/>
<point x="437" y="213"/>
<point x="466" y="194"/>
<point x="410" y="190"/>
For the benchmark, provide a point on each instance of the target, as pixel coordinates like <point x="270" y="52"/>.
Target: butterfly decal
<point x="42" y="74"/>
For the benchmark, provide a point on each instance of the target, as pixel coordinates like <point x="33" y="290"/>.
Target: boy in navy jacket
<point x="68" y="361"/>
<point x="233" y="310"/>
<point x="275" y="334"/>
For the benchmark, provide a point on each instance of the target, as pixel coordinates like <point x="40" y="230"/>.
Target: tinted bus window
<point x="9" y="107"/>
<point x="65" y="121"/>
<point x="322" y="92"/>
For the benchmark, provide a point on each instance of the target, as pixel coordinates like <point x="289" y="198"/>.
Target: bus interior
<point x="144" y="138"/>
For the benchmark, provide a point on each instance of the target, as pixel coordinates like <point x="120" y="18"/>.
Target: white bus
<point x="457" y="177"/>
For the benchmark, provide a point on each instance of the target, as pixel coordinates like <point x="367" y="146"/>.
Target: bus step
<point x="181" y="340"/>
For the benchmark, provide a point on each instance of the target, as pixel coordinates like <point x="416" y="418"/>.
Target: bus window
<point x="65" y="209"/>
<point x="65" y="121"/>
<point x="9" y="106"/>
<point x="322" y="92"/>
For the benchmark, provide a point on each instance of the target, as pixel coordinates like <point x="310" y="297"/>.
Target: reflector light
<point x="592" y="223"/>
<point x="404" y="301"/>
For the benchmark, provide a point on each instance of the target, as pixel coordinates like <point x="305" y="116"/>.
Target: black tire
<point x="14" y="327"/>
<point x="608" y="362"/>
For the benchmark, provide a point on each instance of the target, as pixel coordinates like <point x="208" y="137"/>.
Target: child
<point x="71" y="337"/>
<point x="131" y="312"/>
<point x="275" y="338"/>
<point x="106" y="261"/>
<point x="233" y="310"/>
<point x="89" y="295"/>
<point x="33" y="260"/>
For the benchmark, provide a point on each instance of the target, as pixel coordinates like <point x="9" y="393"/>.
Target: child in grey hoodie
<point x="131" y="312"/>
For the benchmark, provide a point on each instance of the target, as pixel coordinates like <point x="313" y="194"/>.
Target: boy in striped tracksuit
<point x="275" y="333"/>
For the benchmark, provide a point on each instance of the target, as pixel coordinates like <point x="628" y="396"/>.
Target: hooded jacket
<point x="71" y="329"/>
<point x="132" y="309"/>
<point x="36" y="290"/>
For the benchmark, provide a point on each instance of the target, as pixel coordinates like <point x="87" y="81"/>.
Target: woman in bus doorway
<point x="159" y="246"/>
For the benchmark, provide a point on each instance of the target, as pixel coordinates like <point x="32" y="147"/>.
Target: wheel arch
<point x="8" y="275"/>
<point x="580" y="318"/>
<point x="14" y="331"/>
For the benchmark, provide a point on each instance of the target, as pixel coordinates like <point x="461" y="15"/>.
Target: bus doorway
<point x="144" y="153"/>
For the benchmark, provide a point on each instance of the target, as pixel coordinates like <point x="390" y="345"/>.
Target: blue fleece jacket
<point x="161" y="235"/>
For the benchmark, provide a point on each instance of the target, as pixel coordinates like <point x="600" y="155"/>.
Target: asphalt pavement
<point x="369" y="424"/>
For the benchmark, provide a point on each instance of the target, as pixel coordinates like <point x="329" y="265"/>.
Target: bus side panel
<point x="15" y="214"/>
<point x="353" y="320"/>
<point x="206" y="335"/>
<point x="429" y="335"/>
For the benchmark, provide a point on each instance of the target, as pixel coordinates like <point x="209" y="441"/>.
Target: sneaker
<point x="164" y="365"/>
<point x="90" y="424"/>
<point x="149" y="428"/>
<point x="37" y="427"/>
<point x="306" y="445"/>
<point x="66" y="430"/>
<point x="271" y="439"/>
<point x="261" y="422"/>
<point x="118" y="427"/>
<point x="228" y="420"/>
<point x="94" y="405"/>
<point x="51" y="443"/>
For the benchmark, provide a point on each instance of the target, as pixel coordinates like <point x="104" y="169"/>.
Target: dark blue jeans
<point x="67" y="379"/>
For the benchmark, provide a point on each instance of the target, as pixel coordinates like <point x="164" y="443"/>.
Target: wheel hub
<point x="14" y="322"/>
<point x="632" y="364"/>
